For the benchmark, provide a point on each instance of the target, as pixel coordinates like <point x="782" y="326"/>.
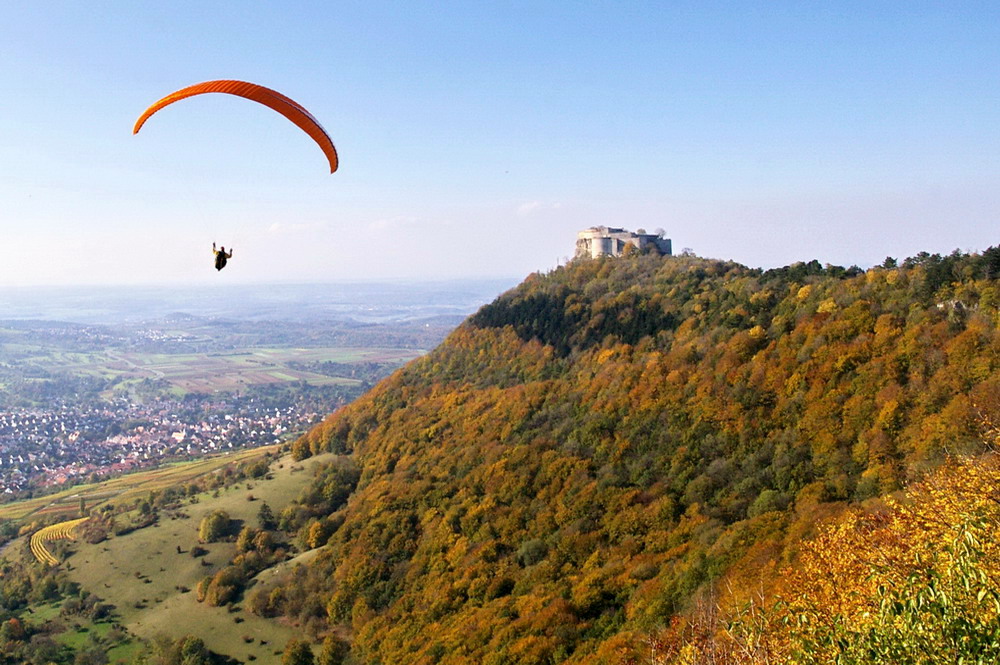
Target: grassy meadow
<point x="150" y="575"/>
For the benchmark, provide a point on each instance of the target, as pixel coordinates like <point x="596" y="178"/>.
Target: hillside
<point x="604" y="445"/>
<point x="132" y="568"/>
<point x="603" y="465"/>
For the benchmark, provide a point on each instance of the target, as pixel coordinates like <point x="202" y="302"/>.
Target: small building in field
<point x="600" y="241"/>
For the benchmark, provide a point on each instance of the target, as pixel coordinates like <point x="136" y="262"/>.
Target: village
<point x="40" y="447"/>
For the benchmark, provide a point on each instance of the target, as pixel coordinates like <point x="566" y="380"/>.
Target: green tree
<point x="94" y="655"/>
<point x="265" y="517"/>
<point x="192" y="651"/>
<point x="214" y="526"/>
<point x="12" y="631"/>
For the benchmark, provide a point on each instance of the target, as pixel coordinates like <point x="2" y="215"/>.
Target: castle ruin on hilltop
<point x="600" y="241"/>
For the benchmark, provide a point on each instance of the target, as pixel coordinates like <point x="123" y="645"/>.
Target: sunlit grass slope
<point x="150" y="582"/>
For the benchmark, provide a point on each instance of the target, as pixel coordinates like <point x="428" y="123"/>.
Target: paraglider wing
<point x="258" y="93"/>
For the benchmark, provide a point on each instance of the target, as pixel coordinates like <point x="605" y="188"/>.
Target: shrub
<point x="215" y="526"/>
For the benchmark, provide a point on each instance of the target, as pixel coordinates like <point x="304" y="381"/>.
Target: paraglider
<point x="221" y="256"/>
<point x="272" y="99"/>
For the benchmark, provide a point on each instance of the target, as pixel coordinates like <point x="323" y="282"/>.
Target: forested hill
<point x="606" y="443"/>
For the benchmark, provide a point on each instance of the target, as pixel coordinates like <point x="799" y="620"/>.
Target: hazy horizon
<point x="357" y="301"/>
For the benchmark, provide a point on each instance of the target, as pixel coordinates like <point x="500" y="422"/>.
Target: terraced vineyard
<point x="124" y="487"/>
<point x="60" y="531"/>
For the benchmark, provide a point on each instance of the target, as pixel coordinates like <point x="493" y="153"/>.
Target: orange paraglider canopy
<point x="258" y="93"/>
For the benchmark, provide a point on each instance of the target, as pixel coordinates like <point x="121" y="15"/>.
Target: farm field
<point x="78" y="345"/>
<point x="207" y="372"/>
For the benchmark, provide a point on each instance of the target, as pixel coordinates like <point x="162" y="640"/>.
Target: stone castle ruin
<point x="600" y="241"/>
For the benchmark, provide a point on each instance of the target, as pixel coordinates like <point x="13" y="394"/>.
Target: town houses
<point x="41" y="447"/>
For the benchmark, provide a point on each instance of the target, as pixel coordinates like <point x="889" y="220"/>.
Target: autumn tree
<point x="611" y="443"/>
<point x="297" y="653"/>
<point x="214" y="526"/>
<point x="334" y="651"/>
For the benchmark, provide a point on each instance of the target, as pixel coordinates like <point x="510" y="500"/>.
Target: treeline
<point x="366" y="372"/>
<point x="30" y="386"/>
<point x="594" y="451"/>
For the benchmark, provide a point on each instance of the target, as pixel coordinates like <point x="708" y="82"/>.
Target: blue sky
<point x="477" y="138"/>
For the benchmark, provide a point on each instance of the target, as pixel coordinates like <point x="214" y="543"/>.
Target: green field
<point x="218" y="371"/>
<point x="145" y="577"/>
<point x="150" y="582"/>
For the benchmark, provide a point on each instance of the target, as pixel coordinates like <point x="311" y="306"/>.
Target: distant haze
<point x="362" y="302"/>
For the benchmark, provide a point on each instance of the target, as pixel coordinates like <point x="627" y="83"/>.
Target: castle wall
<point x="607" y="241"/>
